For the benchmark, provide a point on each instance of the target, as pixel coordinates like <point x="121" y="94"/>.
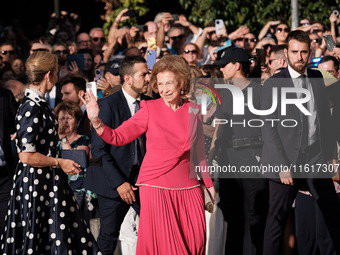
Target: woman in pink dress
<point x="172" y="218"/>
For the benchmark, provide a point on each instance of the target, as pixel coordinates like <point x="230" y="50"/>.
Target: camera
<point x="99" y="74"/>
<point x="132" y="13"/>
<point x="142" y="28"/>
<point x="335" y="12"/>
<point x="175" y="17"/>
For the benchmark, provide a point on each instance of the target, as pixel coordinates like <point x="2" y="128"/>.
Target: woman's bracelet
<point x="96" y="127"/>
<point x="57" y="165"/>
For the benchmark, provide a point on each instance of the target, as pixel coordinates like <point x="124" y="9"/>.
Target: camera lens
<point x="97" y="71"/>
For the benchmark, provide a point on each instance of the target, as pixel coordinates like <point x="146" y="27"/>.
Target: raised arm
<point x="266" y="28"/>
<point x="124" y="134"/>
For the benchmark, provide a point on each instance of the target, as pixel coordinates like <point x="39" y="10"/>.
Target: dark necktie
<point x="140" y="139"/>
<point x="304" y="139"/>
<point x="137" y="105"/>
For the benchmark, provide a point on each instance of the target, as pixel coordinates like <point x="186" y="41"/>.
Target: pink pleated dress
<point x="172" y="217"/>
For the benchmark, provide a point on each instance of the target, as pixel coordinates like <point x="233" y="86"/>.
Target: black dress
<point x="43" y="215"/>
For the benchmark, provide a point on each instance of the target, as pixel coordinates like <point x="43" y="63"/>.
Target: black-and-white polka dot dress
<point x="43" y="215"/>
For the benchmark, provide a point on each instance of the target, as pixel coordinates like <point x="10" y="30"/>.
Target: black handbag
<point x="78" y="156"/>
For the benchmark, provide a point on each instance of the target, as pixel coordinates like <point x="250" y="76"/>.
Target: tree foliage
<point x="130" y="4"/>
<point x="254" y="14"/>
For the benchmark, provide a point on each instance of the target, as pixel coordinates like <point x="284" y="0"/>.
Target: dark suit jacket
<point x="84" y="127"/>
<point x="8" y="110"/>
<point x="333" y="92"/>
<point x="282" y="144"/>
<point x="117" y="162"/>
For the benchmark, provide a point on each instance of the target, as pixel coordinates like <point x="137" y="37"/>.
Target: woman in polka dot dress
<point x="43" y="215"/>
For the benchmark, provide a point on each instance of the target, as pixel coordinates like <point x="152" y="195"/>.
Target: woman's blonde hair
<point x="176" y="65"/>
<point x="38" y="64"/>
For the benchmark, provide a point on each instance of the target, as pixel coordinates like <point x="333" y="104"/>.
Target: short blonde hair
<point x="38" y="64"/>
<point x="176" y="65"/>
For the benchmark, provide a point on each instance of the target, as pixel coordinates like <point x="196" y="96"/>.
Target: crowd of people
<point x="144" y="132"/>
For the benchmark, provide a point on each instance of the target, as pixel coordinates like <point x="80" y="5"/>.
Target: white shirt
<point x="131" y="103"/>
<point x="2" y="157"/>
<point x="311" y="107"/>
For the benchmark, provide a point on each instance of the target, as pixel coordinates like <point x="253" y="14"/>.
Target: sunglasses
<point x="96" y="39"/>
<point x="35" y="50"/>
<point x="61" y="51"/>
<point x="239" y="39"/>
<point x="267" y="46"/>
<point x="316" y="40"/>
<point x="179" y="37"/>
<point x="190" y="51"/>
<point x="279" y="30"/>
<point x="10" y="52"/>
<point x="250" y="39"/>
<point x="316" y="31"/>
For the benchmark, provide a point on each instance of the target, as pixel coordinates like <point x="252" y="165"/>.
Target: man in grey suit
<point x="291" y="149"/>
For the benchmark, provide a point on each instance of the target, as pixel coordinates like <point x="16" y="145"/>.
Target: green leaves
<point x="254" y="14"/>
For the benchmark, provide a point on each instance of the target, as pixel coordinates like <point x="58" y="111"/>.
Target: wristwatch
<point x="63" y="140"/>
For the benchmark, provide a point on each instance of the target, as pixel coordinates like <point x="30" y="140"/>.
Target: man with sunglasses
<point x="98" y="40"/>
<point x="7" y="52"/>
<point x="277" y="59"/>
<point x="84" y="41"/>
<point x="315" y="43"/>
<point x="61" y="50"/>
<point x="177" y="37"/>
<point x="39" y="45"/>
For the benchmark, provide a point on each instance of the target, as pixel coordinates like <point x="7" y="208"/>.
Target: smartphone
<point x="219" y="26"/>
<point x="93" y="87"/>
<point x="175" y="17"/>
<point x="99" y="74"/>
<point x="316" y="61"/>
<point x="142" y="28"/>
<point x="329" y="42"/>
<point x="226" y="44"/>
<point x="151" y="41"/>
<point x="261" y="54"/>
<point x="151" y="56"/>
<point x="78" y="58"/>
<point x="132" y="13"/>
